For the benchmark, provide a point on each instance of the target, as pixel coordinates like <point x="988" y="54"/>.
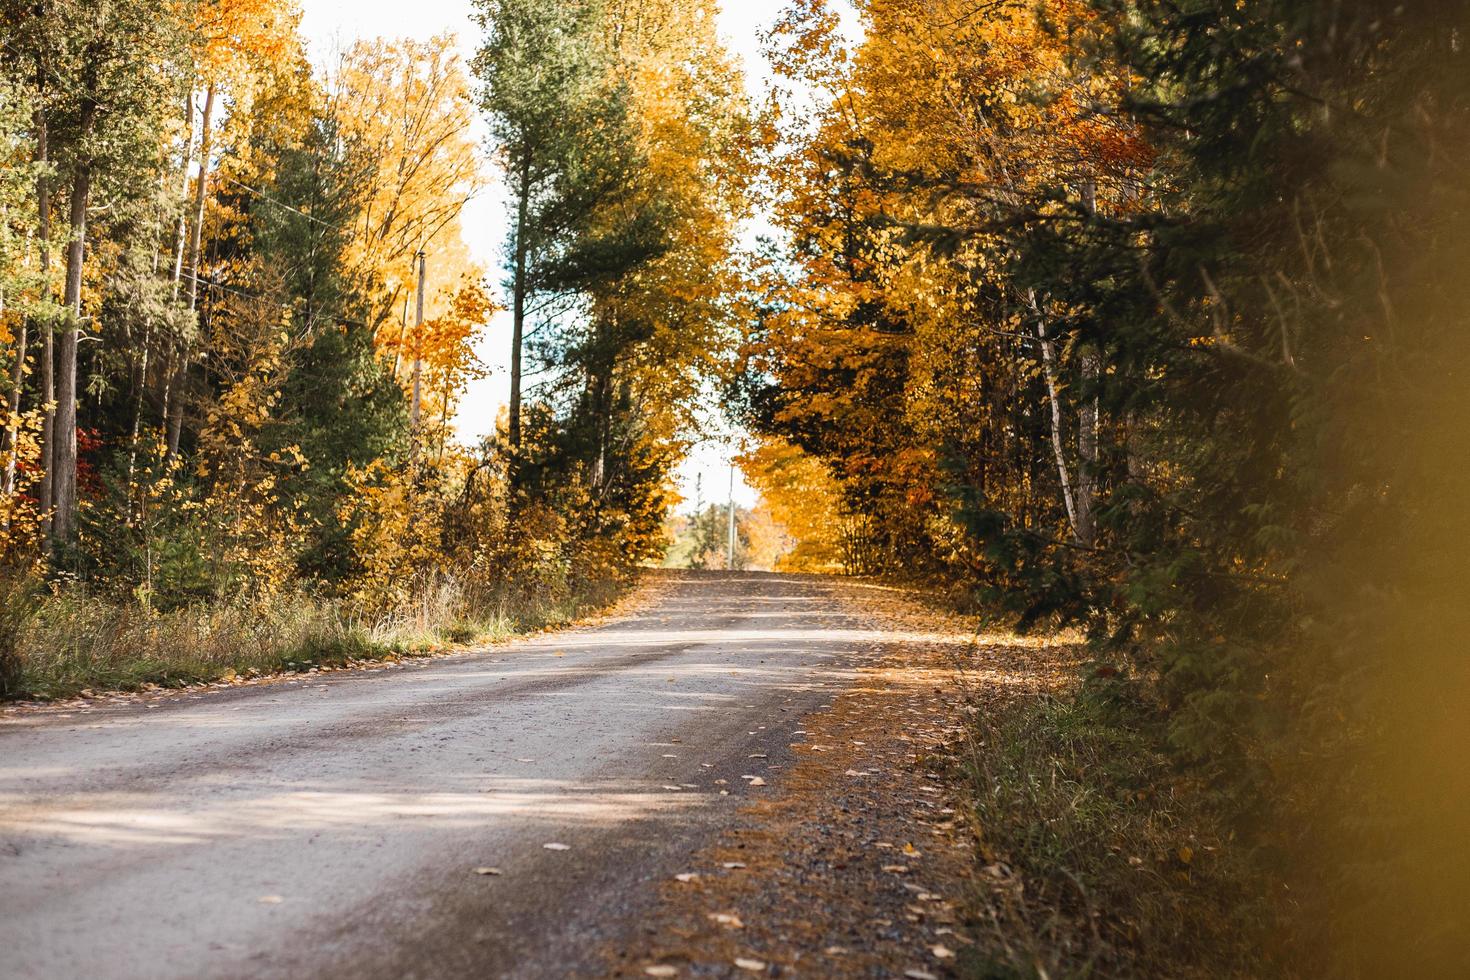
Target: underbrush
<point x="58" y="641"/>
<point x="1098" y="858"/>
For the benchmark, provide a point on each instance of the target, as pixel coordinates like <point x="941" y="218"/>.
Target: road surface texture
<point x="332" y="826"/>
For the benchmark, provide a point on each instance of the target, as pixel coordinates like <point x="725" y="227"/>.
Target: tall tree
<point x="559" y="123"/>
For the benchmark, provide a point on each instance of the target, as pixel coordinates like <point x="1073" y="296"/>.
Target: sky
<point x="331" y="25"/>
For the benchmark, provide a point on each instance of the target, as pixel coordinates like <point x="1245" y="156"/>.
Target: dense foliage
<point x="238" y="309"/>
<point x="1145" y="316"/>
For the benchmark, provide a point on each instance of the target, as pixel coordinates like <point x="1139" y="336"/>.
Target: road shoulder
<point x="862" y="863"/>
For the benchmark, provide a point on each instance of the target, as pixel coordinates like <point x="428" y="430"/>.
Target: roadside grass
<point x="1097" y="854"/>
<point x="1097" y="858"/>
<point x="56" y="644"/>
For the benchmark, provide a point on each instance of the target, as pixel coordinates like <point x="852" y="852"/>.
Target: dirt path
<point x="863" y="864"/>
<point x="334" y="826"/>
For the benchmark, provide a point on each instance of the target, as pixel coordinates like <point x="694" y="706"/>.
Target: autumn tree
<point x="561" y="125"/>
<point x="233" y="45"/>
<point x="803" y="499"/>
<point x="403" y="109"/>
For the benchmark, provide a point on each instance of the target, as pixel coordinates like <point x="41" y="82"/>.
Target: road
<point x="331" y="826"/>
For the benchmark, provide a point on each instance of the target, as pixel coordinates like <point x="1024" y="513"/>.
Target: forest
<point x="239" y="311"/>
<point x="1140" y="318"/>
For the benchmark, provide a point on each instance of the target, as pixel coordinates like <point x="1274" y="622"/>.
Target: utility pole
<point x="418" y="363"/>
<point x="730" y="543"/>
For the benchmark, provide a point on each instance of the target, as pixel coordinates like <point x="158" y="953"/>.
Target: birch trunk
<point x="196" y="235"/>
<point x="1049" y="371"/>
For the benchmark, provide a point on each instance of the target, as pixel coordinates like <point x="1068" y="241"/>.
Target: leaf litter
<point x="817" y="854"/>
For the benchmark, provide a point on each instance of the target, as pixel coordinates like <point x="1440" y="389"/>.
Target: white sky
<point x="330" y="25"/>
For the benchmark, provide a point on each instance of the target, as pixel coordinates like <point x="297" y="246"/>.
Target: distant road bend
<point x="331" y="826"/>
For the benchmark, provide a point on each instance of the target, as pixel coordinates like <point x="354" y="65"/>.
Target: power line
<point x="281" y="204"/>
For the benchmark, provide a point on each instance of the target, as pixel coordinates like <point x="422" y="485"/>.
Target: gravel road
<point x="331" y="826"/>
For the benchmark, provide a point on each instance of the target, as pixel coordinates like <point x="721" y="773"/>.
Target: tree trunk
<point x="48" y="354"/>
<point x="65" y="480"/>
<point x="201" y="189"/>
<point x="519" y="303"/>
<point x="182" y="231"/>
<point x="196" y="235"/>
<point x="1049" y="371"/>
<point x="602" y="368"/>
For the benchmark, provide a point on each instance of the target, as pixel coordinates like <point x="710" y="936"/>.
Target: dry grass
<point x="1098" y="859"/>
<point x="1096" y="855"/>
<point x="59" y="643"/>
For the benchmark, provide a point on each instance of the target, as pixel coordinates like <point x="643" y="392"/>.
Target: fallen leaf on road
<point x="673" y="788"/>
<point x="756" y="781"/>
<point x="670" y="755"/>
<point x="910" y="850"/>
<point x="919" y="975"/>
<point x="756" y="755"/>
<point x="835" y="950"/>
<point x="755" y="966"/>
<point x="557" y="847"/>
<point x="661" y="971"/>
<point x="942" y="952"/>
<point x="897" y="869"/>
<point x="733" y="864"/>
<point x="487" y="871"/>
<point x="728" y="919"/>
<point x="686" y="877"/>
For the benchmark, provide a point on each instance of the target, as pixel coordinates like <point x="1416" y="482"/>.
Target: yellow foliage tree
<point x="404" y="106"/>
<point x="803" y="498"/>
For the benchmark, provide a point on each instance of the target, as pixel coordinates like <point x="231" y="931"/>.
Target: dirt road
<point x="332" y="826"/>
